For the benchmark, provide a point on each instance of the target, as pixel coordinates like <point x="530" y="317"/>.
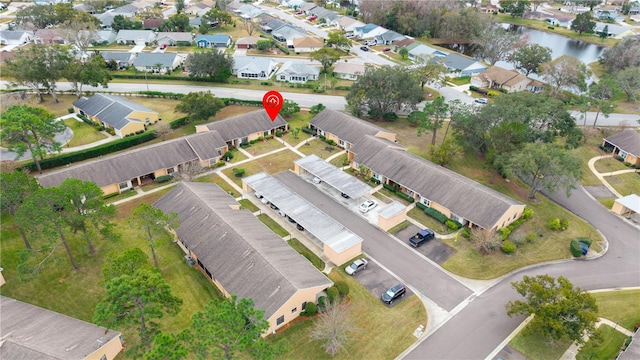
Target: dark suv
<point x="421" y="237"/>
<point x="393" y="293"/>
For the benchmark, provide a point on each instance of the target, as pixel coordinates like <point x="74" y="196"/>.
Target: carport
<point x="339" y="243"/>
<point x="333" y="176"/>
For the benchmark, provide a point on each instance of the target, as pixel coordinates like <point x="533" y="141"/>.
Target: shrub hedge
<point x="164" y="178"/>
<point x="435" y="214"/>
<point x="508" y="247"/>
<point x="310" y="309"/>
<point x="343" y="288"/>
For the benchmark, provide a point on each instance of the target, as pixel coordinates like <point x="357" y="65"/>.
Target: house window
<point x="457" y="218"/>
<point x="376" y="176"/>
<point x="170" y="170"/>
<point x="103" y="357"/>
<point x="147" y="120"/>
<point x="280" y="320"/>
<point x="341" y="142"/>
<point x="266" y="133"/>
<point x="219" y="152"/>
<point x="304" y="306"/>
<point x="123" y="185"/>
<point x="294" y="310"/>
<point x="425" y="201"/>
<point x="622" y="154"/>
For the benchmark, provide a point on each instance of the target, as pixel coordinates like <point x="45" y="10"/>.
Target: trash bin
<point x="585" y="248"/>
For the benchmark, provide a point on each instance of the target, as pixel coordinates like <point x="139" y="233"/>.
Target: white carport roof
<point x="392" y="210"/>
<point x="333" y="176"/>
<point x="631" y="202"/>
<point x="316" y="222"/>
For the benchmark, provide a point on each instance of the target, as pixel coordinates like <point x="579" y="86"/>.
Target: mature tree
<point x="289" y="108"/>
<point x="628" y="81"/>
<point x="16" y="186"/>
<point x="155" y="224"/>
<point x="333" y="327"/>
<point x="39" y="65"/>
<point x="624" y="54"/>
<point x="250" y="26"/>
<point x="516" y="8"/>
<point x="126" y="264"/>
<point x="216" y="17"/>
<point x="264" y="45"/>
<point x="33" y="129"/>
<point x="444" y="153"/>
<point x="435" y="112"/>
<point x="338" y="40"/>
<point x="565" y="72"/>
<point x="528" y="58"/>
<point x="167" y="347"/>
<point x="40" y="16"/>
<point x="79" y="33"/>
<point x="92" y="71"/>
<point x="210" y="64"/>
<point x="45" y="212"/>
<point x="326" y="56"/>
<point x="583" y="23"/>
<point x="226" y="329"/>
<point x="384" y="90"/>
<point x="495" y="44"/>
<point x="604" y="33"/>
<point x="403" y="52"/>
<point x="137" y="299"/>
<point x="179" y="6"/>
<point x="121" y="22"/>
<point x="200" y="105"/>
<point x="175" y="23"/>
<point x="601" y="95"/>
<point x="87" y="208"/>
<point x="430" y="69"/>
<point x="545" y="167"/>
<point x="560" y="310"/>
<point x="316" y="109"/>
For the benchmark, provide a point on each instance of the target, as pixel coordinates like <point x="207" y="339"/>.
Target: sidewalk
<point x="601" y="176"/>
<point x="573" y="350"/>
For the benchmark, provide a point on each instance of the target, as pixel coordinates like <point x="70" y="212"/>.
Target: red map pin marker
<point x="272" y="102"/>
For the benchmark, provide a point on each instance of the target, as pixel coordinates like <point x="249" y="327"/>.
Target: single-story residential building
<point x="251" y="67"/>
<point x="32" y="332"/>
<point x="161" y="63"/>
<point x="124" y="171"/>
<point x="307" y="44"/>
<point x="455" y="196"/>
<point x="463" y="66"/>
<point x="559" y="20"/>
<point x="245" y="127"/>
<point x="369" y="31"/>
<point x="292" y="4"/>
<point x="135" y="37"/>
<point x="388" y="37"/>
<point x="287" y="33"/>
<point x="399" y="44"/>
<point x="152" y="24"/>
<point x="627" y="206"/>
<point x="213" y="41"/>
<point x="104" y="37"/>
<point x="268" y="24"/>
<point x="418" y="50"/>
<point x="247" y="42"/>
<point x="348" y="71"/>
<point x="197" y="9"/>
<point x="297" y="72"/>
<point x="174" y="38"/>
<point x="247" y="11"/>
<point x="307" y="7"/>
<point x="346" y="130"/>
<point x="240" y="255"/>
<point x="496" y="77"/>
<point x="346" y="23"/>
<point x="48" y="37"/>
<point x="116" y="112"/>
<point x="625" y="144"/>
<point x="123" y="59"/>
<point x="16" y="37"/>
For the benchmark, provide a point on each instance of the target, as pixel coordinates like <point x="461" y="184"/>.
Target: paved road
<point x="424" y="277"/>
<point x="480" y="327"/>
<point x="632" y="120"/>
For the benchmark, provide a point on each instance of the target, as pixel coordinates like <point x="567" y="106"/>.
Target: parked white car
<point x="367" y="205"/>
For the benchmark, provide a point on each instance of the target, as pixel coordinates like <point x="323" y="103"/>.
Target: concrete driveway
<point x="377" y="280"/>
<point x="434" y="249"/>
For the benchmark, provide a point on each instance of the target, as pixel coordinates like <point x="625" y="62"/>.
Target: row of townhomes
<point x="239" y="254"/>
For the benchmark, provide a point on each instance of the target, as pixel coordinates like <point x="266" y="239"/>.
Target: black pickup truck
<point x="421" y="237"/>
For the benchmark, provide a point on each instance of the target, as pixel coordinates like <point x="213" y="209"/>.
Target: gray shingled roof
<point x="322" y="226"/>
<point x="344" y="126"/>
<point x="239" y="126"/>
<point x="110" y="109"/>
<point x="457" y="61"/>
<point x="152" y="59"/>
<point x="115" y="55"/>
<point x="122" y="167"/>
<point x="247" y="258"/>
<point x="464" y="197"/>
<point x="31" y="332"/>
<point x="627" y="140"/>
<point x="333" y="176"/>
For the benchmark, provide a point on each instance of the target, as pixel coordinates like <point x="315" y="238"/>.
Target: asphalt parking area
<point x="377" y="280"/>
<point x="434" y="249"/>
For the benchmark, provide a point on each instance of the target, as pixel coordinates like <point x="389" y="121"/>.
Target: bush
<point x="310" y="309"/>
<point x="244" y="145"/>
<point x="527" y="213"/>
<point x="308" y="130"/>
<point x="585" y="241"/>
<point x="316" y="109"/>
<point x="164" y="178"/>
<point x="218" y="164"/>
<point x="389" y="116"/>
<point x="70" y="110"/>
<point x="238" y="172"/>
<point x="531" y="237"/>
<point x="504" y="233"/>
<point x="389" y="187"/>
<point x="466" y="233"/>
<point x="333" y="294"/>
<point x="554" y="224"/>
<point x="452" y="224"/>
<point x="278" y="133"/>
<point x="343" y="288"/>
<point x="228" y="155"/>
<point x="330" y="142"/>
<point x="564" y="224"/>
<point x="435" y="214"/>
<point x="492" y="93"/>
<point x="266" y="83"/>
<point x="576" y="249"/>
<point x="322" y="301"/>
<point x="179" y="122"/>
<point x="409" y="198"/>
<point x="421" y="206"/>
<point x="473" y="88"/>
<point x="508" y="247"/>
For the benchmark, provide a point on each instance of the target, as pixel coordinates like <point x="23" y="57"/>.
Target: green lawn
<point x="606" y="346"/>
<point x="536" y="347"/>
<point x="428" y="221"/>
<point x="272" y="164"/>
<point x="247" y="204"/>
<point x="619" y="306"/>
<point x="82" y="133"/>
<point x="339" y="161"/>
<point x="320" y="148"/>
<point x="308" y="254"/>
<point x="381" y="332"/>
<point x="263" y="147"/>
<point x="403" y="225"/>
<point x="608" y="165"/>
<point x="274" y="226"/>
<point x="625" y="184"/>
<point x="589" y="150"/>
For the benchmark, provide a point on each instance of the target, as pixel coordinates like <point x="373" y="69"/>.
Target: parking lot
<point x="377" y="280"/>
<point x="434" y="249"/>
